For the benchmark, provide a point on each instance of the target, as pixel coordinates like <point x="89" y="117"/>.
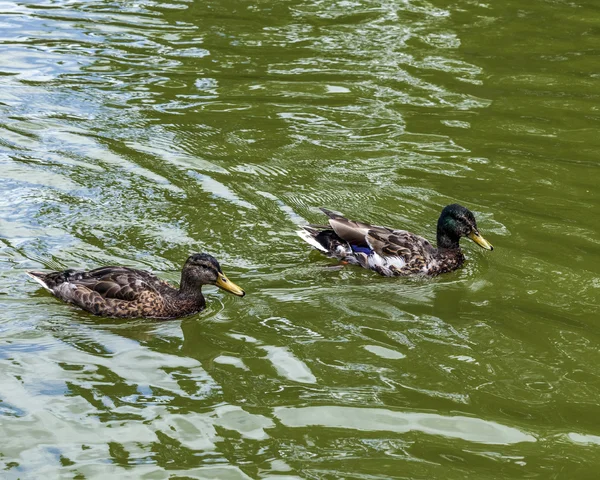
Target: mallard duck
<point x="392" y="252"/>
<point x="123" y="292"/>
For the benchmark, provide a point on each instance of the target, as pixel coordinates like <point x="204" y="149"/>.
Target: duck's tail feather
<point x="330" y="213"/>
<point x="310" y="235"/>
<point x="40" y="277"/>
<point x="328" y="242"/>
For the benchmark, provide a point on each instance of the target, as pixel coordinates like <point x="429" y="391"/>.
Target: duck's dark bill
<point x="479" y="240"/>
<point x="226" y="284"/>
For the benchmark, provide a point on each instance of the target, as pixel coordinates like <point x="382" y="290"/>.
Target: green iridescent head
<point x="457" y="221"/>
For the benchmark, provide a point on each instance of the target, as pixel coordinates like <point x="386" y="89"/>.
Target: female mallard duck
<point x="123" y="292"/>
<point x="396" y="252"/>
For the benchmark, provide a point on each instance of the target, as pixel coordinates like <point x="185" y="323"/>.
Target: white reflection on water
<point x="381" y="419"/>
<point x="584" y="439"/>
<point x="384" y="352"/>
<point x="288" y="365"/>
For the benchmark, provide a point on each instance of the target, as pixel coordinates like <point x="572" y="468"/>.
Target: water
<point x="137" y="133"/>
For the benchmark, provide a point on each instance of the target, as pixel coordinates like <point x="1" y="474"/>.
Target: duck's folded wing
<point x="390" y="243"/>
<point x="118" y="283"/>
<point x="99" y="304"/>
<point x="399" y="243"/>
<point x="351" y="231"/>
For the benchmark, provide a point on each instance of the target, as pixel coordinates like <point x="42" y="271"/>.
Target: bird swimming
<point x="123" y="292"/>
<point x="391" y="252"/>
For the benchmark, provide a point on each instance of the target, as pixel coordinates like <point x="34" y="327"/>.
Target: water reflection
<point x="372" y="419"/>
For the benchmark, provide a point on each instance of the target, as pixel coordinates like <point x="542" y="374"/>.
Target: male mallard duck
<point x="129" y="293"/>
<point x="396" y="252"/>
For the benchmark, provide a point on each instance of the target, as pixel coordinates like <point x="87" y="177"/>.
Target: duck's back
<point x="398" y="252"/>
<point x="115" y="292"/>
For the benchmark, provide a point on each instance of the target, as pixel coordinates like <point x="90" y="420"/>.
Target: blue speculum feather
<point x="358" y="249"/>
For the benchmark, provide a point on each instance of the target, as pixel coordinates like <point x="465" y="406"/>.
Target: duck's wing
<point x="351" y="231"/>
<point x="382" y="240"/>
<point x="110" y="291"/>
<point x="393" y="251"/>
<point x="114" y="292"/>
<point x="399" y="243"/>
<point x="119" y="283"/>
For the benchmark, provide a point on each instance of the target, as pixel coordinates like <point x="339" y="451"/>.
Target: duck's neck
<point x="449" y="255"/>
<point x="447" y="241"/>
<point x="190" y="290"/>
<point x="185" y="301"/>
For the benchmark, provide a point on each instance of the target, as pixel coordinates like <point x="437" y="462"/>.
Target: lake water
<point x="136" y="133"/>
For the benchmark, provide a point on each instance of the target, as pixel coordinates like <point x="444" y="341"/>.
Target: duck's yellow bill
<point x="226" y="284"/>
<point x="479" y="240"/>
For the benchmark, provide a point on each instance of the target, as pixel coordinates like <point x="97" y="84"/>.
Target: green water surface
<point x="136" y="133"/>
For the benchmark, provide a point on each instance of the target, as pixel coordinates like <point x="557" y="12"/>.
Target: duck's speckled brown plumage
<point x="392" y="252"/>
<point x="123" y="292"/>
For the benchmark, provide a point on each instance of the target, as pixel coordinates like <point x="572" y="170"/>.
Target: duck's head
<point x="203" y="269"/>
<point x="457" y="221"/>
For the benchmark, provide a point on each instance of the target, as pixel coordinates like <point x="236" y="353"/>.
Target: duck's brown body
<point x="123" y="292"/>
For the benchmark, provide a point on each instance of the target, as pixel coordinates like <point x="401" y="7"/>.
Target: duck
<point x="392" y="252"/>
<point x="122" y="292"/>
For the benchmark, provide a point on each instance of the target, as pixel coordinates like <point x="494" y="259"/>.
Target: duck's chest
<point x="168" y="307"/>
<point x="444" y="263"/>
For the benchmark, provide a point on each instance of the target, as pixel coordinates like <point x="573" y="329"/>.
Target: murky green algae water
<point x="138" y="132"/>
